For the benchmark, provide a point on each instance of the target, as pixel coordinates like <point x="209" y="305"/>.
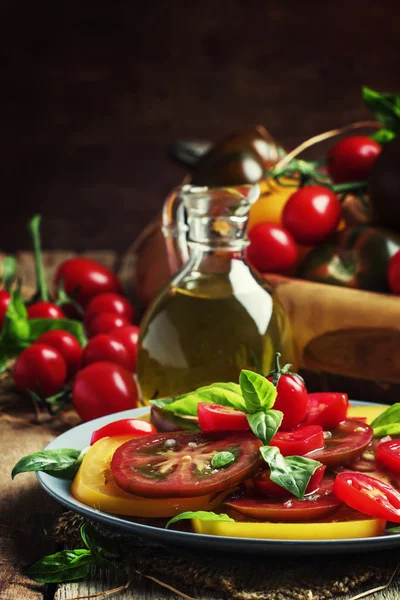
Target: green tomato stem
<point x="34" y="230"/>
<point x="339" y="188"/>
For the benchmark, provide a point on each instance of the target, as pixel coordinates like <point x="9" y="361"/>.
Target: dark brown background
<point x="93" y="91"/>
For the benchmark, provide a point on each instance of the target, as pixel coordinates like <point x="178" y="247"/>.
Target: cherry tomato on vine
<point x="327" y="409"/>
<point x="83" y="279"/>
<point x="44" y="310"/>
<point x="109" y="303"/>
<point x="67" y="345"/>
<point x="105" y="347"/>
<point x="292" y="395"/>
<point x="214" y="417"/>
<point x="272" y="249"/>
<point x="40" y="369"/>
<point x="368" y="495"/>
<point x="299" y="441"/>
<point x="394" y="274"/>
<point x="123" y="427"/>
<point x="388" y="453"/>
<point x="352" y="159"/>
<point x="105" y="323"/>
<point x="129" y="336"/>
<point x="263" y="485"/>
<point x="5" y="299"/>
<point x="103" y="388"/>
<point x="311" y="214"/>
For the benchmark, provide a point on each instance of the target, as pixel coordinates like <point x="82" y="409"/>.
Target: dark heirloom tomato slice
<point x="299" y="441"/>
<point x="286" y="510"/>
<point x="344" y="444"/>
<point x="368" y="495"/>
<point x="214" y="417"/>
<point x="179" y="464"/>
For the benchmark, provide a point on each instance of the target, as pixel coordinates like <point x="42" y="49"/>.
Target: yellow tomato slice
<point x="371" y="412"/>
<point x="94" y="485"/>
<point x="293" y="531"/>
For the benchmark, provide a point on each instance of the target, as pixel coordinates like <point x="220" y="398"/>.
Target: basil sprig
<point x="60" y="462"/>
<point x="388" y="423"/>
<point x="386" y="108"/>
<point x="203" y="515"/>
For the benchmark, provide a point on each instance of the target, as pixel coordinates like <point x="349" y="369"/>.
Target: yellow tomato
<point x="370" y="412"/>
<point x="94" y="485"/>
<point x="271" y="202"/>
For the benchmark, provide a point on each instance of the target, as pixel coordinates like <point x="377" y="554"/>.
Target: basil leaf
<point x="225" y="394"/>
<point x="102" y="548"/>
<point x="386" y="108"/>
<point x="388" y="423"/>
<point x="222" y="459"/>
<point x="265" y="424"/>
<point x="39" y="326"/>
<point x="291" y="472"/>
<point x="258" y="392"/>
<point x="67" y="565"/>
<point x="393" y="530"/>
<point x="203" y="515"/>
<point x="56" y="461"/>
<point x="383" y="136"/>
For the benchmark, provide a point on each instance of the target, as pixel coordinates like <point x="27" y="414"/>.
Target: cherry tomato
<point x="291" y="399"/>
<point x="109" y="303"/>
<point x="83" y="279"/>
<point x="388" y="453"/>
<point x="272" y="249"/>
<point x="327" y="409"/>
<point x="368" y="495"/>
<point x="394" y="274"/>
<point x="68" y="346"/>
<point x="5" y="299"/>
<point x="299" y="441"/>
<point x="129" y="336"/>
<point x="105" y="323"/>
<point x="180" y="464"/>
<point x="103" y="388"/>
<point x="352" y="159"/>
<point x="263" y="485"/>
<point x="123" y="427"/>
<point x="40" y="369"/>
<point x="344" y="444"/>
<point x="105" y="347"/>
<point x="214" y="417"/>
<point x="311" y="214"/>
<point x="44" y="310"/>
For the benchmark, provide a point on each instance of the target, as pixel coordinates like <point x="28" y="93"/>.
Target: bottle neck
<point x="217" y="233"/>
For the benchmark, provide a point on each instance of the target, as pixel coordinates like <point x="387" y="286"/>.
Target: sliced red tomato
<point x="214" y="417"/>
<point x="180" y="464"/>
<point x="123" y="427"/>
<point x="327" y="409"/>
<point x="368" y="495"/>
<point x="299" y="441"/>
<point x="263" y="485"/>
<point x="344" y="444"/>
<point x="388" y="453"/>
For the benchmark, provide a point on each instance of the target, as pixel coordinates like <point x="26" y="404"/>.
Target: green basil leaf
<point x="291" y="472"/>
<point x="383" y="136"/>
<point x="265" y="423"/>
<point x="67" y="565"/>
<point x="258" y="392"/>
<point x="203" y="515"/>
<point x="386" y="108"/>
<point x="225" y="394"/>
<point x="9" y="271"/>
<point x="222" y="459"/>
<point x="56" y="461"/>
<point x="393" y="530"/>
<point x="387" y="423"/>
<point x="102" y="548"/>
<point x="39" y="326"/>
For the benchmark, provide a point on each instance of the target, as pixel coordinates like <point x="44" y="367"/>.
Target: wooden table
<point x="27" y="514"/>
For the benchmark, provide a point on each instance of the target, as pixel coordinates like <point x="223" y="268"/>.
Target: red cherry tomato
<point x="327" y="409"/>
<point x="299" y="441"/>
<point x="344" y="444"/>
<point x="311" y="214"/>
<point x="105" y="347"/>
<point x="105" y="323"/>
<point x="129" y="336"/>
<point x="83" y="279"/>
<point x="394" y="274"/>
<point x="123" y="427"/>
<point x="5" y="299"/>
<point x="291" y="400"/>
<point x="352" y="159"/>
<point x="272" y="249"/>
<point x="214" y="417"/>
<point x="68" y="346"/>
<point x="388" y="453"/>
<point x="368" y="495"/>
<point x="44" y="310"/>
<point x="40" y="369"/>
<point x="109" y="303"/>
<point x="103" y="388"/>
<point x="263" y="485"/>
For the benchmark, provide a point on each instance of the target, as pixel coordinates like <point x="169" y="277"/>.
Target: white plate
<point x="79" y="438"/>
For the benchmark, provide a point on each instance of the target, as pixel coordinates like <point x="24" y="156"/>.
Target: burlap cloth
<point x="246" y="577"/>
